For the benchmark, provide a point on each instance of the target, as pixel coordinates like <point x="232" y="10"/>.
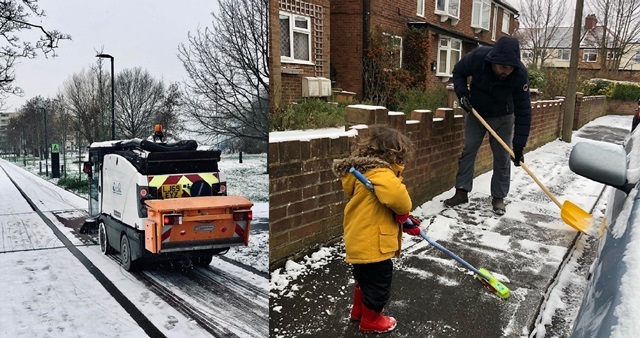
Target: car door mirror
<point x="602" y="162"/>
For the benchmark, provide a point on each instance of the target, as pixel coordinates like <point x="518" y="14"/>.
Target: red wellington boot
<point x="375" y="322"/>
<point x="356" y="308"/>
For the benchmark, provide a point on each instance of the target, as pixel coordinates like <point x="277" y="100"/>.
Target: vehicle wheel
<point x="103" y="240"/>
<point x="125" y="251"/>
<point x="203" y="261"/>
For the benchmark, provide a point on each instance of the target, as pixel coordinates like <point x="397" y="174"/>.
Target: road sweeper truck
<point x="162" y="201"/>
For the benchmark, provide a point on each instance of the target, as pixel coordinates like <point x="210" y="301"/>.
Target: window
<point x="506" y="19"/>
<point x="494" y="27"/>
<point x="564" y="54"/>
<point x="589" y="55"/>
<point x="295" y="37"/>
<point x="612" y="55"/>
<point x="481" y="14"/>
<point x="393" y="45"/>
<point x="420" y="10"/>
<point x="449" y="51"/>
<point x="448" y="7"/>
<point x="637" y="57"/>
<point x="527" y="54"/>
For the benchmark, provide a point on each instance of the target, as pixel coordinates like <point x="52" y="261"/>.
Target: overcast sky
<point x="140" y="33"/>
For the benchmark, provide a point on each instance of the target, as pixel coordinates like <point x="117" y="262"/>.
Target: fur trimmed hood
<point x="362" y="164"/>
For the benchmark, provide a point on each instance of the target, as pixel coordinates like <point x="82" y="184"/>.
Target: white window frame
<point x="494" y="28"/>
<point x="420" y="8"/>
<point x="561" y="53"/>
<point x="292" y="30"/>
<point x="449" y="49"/>
<point x="506" y="21"/>
<point x="451" y="10"/>
<point x="478" y="13"/>
<point x="399" y="38"/>
<point x="589" y="52"/>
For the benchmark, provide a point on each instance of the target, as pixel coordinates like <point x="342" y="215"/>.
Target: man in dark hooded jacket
<point x="499" y="92"/>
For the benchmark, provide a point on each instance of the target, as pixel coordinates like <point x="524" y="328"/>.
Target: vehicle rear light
<point x="171" y="219"/>
<point x="638" y="113"/>
<point x="242" y="215"/>
<point x="223" y="188"/>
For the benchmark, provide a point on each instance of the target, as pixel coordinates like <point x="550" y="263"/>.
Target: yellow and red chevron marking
<point x="187" y="179"/>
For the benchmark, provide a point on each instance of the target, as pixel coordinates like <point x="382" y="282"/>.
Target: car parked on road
<point x="608" y="305"/>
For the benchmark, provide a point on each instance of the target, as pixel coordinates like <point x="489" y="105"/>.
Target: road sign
<point x="55" y="148"/>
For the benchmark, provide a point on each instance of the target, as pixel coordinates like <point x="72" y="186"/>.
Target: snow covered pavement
<point x="542" y="260"/>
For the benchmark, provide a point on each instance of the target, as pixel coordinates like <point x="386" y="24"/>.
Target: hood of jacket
<point x="362" y="164"/>
<point x="505" y="52"/>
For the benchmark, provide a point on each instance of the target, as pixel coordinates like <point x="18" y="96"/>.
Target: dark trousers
<point x="375" y="282"/>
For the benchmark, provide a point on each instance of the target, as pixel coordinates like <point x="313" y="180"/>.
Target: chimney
<point x="590" y="22"/>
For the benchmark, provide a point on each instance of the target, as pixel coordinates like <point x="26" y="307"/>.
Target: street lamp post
<point x="113" y="110"/>
<point x="46" y="142"/>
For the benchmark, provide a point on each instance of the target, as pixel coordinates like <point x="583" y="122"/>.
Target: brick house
<point x="299" y="47"/>
<point x="454" y="27"/>
<point x="328" y="38"/>
<point x="589" y="57"/>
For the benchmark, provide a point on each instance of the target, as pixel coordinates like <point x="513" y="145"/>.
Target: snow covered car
<point x="609" y="306"/>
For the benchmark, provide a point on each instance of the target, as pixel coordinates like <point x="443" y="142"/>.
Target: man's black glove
<point x="517" y="156"/>
<point x="465" y="104"/>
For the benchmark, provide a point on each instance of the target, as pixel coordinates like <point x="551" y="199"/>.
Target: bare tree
<point x="621" y="28"/>
<point x="227" y="90"/>
<point x="167" y="114"/>
<point x="17" y="16"/>
<point x="81" y="99"/>
<point x="541" y="28"/>
<point x="138" y="98"/>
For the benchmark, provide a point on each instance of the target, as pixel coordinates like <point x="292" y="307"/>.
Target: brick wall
<point x="618" y="107"/>
<point x="588" y="108"/>
<point x="346" y="44"/>
<point x="306" y="199"/>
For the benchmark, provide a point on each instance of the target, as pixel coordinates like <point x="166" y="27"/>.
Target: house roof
<point x="562" y="37"/>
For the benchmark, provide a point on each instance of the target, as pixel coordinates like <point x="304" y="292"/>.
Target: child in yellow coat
<point x="372" y="230"/>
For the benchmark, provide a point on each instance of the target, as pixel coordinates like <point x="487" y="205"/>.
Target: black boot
<point x="459" y="198"/>
<point x="498" y="206"/>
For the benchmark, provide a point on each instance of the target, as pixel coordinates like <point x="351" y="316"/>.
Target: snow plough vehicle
<point x="162" y="201"/>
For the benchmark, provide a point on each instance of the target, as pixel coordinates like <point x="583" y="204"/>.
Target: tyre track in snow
<point x="222" y="304"/>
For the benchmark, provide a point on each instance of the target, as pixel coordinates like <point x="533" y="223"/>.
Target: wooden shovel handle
<point x="508" y="149"/>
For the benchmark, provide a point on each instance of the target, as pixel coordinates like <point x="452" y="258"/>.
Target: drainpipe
<point x="366" y="11"/>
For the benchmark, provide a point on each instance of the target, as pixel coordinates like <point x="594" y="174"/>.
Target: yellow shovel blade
<point x="576" y="217"/>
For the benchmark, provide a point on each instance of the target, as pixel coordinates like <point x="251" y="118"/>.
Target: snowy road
<point x="50" y="292"/>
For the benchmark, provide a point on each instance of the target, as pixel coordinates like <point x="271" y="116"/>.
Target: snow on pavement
<point x="493" y="237"/>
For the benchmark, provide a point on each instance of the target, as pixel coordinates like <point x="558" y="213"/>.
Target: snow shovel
<point x="483" y="275"/>
<point x="570" y="213"/>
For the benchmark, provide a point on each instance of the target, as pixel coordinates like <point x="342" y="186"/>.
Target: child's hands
<point x="412" y="228"/>
<point x="402" y="218"/>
